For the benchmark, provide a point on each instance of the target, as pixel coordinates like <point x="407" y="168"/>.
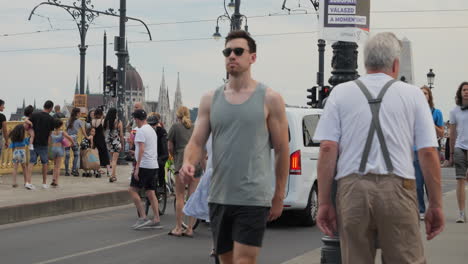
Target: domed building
<point x="134" y="88"/>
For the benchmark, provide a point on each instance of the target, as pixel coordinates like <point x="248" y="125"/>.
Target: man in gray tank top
<point x="245" y="118"/>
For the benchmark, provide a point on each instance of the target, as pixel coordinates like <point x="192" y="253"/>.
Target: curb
<point x="24" y="212"/>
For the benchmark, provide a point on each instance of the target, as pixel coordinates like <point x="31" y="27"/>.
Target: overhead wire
<point x="214" y="20"/>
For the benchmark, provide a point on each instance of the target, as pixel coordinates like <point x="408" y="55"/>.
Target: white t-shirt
<point x="405" y="119"/>
<point x="147" y="135"/>
<point x="460" y="118"/>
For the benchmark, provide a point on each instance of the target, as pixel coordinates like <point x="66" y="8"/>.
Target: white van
<point x="301" y="187"/>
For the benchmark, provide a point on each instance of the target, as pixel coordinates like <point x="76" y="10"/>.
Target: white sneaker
<point x="31" y="147"/>
<point x="461" y="218"/>
<point x="421" y="216"/>
<point x="45" y="186"/>
<point x="141" y="223"/>
<point x="29" y="186"/>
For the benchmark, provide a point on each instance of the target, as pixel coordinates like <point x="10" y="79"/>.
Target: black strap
<point x="374" y="104"/>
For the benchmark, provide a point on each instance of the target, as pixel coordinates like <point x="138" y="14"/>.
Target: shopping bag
<point x="90" y="159"/>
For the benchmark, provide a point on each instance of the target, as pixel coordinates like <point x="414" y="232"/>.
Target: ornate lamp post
<point x="430" y="78"/>
<point x="83" y="14"/>
<point x="235" y="19"/>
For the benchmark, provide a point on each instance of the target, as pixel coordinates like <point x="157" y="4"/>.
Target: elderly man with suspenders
<point x="367" y="133"/>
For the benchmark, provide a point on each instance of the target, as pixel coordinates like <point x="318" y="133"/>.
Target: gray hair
<point x="381" y="51"/>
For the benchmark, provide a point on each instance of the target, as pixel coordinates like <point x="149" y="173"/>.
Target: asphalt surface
<point x="105" y="236"/>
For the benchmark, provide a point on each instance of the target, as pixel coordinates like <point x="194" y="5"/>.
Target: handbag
<point x="66" y="143"/>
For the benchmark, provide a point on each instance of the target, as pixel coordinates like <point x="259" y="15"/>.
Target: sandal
<point x="112" y="179"/>
<point x="15" y="185"/>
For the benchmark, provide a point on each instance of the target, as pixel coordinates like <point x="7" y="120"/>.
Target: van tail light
<point x="295" y="163"/>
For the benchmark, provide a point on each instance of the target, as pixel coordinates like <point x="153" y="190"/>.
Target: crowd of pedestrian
<point x="383" y="175"/>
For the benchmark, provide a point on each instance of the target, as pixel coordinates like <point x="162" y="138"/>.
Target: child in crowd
<point x="57" y="148"/>
<point x="28" y="125"/>
<point x="86" y="143"/>
<point x="18" y="145"/>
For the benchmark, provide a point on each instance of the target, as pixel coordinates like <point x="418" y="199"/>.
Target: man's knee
<point x="226" y="258"/>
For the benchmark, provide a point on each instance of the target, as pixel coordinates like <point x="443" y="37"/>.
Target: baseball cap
<point x="152" y="120"/>
<point x="139" y="114"/>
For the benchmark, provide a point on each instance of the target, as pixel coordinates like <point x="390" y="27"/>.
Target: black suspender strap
<point x="374" y="105"/>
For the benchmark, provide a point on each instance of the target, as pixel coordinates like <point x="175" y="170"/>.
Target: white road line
<point x="87" y="252"/>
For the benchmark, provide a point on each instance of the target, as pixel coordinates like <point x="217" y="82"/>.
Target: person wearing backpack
<point x="163" y="153"/>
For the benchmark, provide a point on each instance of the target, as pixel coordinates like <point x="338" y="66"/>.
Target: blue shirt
<point x="24" y="143"/>
<point x="438" y="121"/>
<point x="437" y="116"/>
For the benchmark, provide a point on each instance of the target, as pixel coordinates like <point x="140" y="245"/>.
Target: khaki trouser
<point x="379" y="208"/>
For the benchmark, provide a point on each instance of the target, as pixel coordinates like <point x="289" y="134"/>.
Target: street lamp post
<point x="236" y="20"/>
<point x="430" y="78"/>
<point x="83" y="16"/>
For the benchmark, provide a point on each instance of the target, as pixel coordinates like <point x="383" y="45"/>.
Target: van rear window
<point x="309" y="124"/>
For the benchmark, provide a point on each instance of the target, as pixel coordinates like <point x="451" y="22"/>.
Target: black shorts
<point x="243" y="224"/>
<point x="147" y="179"/>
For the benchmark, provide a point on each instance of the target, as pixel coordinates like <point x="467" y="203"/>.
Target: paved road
<point x="104" y="236"/>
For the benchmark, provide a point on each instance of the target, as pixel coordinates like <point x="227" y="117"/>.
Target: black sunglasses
<point x="237" y="51"/>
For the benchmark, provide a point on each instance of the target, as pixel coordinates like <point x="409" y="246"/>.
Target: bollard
<point x="331" y="253"/>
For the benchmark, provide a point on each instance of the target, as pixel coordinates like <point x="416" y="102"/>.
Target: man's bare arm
<point x="430" y="167"/>
<point x="194" y="150"/>
<point x="434" y="218"/>
<point x="326" y="168"/>
<point x="278" y="127"/>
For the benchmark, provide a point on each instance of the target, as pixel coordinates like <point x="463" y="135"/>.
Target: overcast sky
<point x="287" y="51"/>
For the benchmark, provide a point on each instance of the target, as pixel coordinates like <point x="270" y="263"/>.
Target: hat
<point x="139" y="114"/>
<point x="152" y="120"/>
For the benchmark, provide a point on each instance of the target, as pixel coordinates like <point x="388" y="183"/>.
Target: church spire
<point x="77" y="90"/>
<point x="177" y="100"/>
<point x="163" y="103"/>
<point x="24" y="104"/>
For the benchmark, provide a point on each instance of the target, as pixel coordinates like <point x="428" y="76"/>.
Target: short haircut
<point x="2" y="102"/>
<point x="458" y="96"/>
<point x="58" y="123"/>
<point x="28" y="110"/>
<point x="48" y="104"/>
<point x="236" y="34"/>
<point x="381" y="51"/>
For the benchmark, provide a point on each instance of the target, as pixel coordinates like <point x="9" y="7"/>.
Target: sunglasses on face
<point x="237" y="51"/>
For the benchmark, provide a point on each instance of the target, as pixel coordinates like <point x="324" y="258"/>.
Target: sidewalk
<point x="449" y="247"/>
<point x="74" y="194"/>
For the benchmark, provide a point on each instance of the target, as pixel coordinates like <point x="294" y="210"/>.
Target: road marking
<point x="87" y="252"/>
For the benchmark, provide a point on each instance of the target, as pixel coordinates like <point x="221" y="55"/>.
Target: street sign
<point x="344" y="20"/>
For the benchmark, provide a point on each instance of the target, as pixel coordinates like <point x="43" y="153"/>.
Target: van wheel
<point x="311" y="210"/>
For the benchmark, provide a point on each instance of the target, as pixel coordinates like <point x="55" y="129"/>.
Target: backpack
<point x="163" y="153"/>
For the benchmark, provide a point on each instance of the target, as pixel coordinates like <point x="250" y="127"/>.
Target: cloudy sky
<point x="45" y="65"/>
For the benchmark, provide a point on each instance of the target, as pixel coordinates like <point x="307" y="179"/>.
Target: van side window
<point x="309" y="124"/>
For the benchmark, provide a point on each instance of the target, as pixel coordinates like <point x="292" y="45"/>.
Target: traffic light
<point x="313" y="97"/>
<point x="111" y="81"/>
<point x="324" y="93"/>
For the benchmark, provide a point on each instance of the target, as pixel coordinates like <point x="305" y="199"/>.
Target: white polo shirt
<point x="405" y="118"/>
<point x="460" y="118"/>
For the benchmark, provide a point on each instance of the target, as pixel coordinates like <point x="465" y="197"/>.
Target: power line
<point x="210" y="38"/>
<point x="213" y="20"/>
<point x="154" y="41"/>
<point x="149" y="24"/>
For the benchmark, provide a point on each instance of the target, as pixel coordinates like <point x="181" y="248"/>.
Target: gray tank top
<point x="241" y="156"/>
